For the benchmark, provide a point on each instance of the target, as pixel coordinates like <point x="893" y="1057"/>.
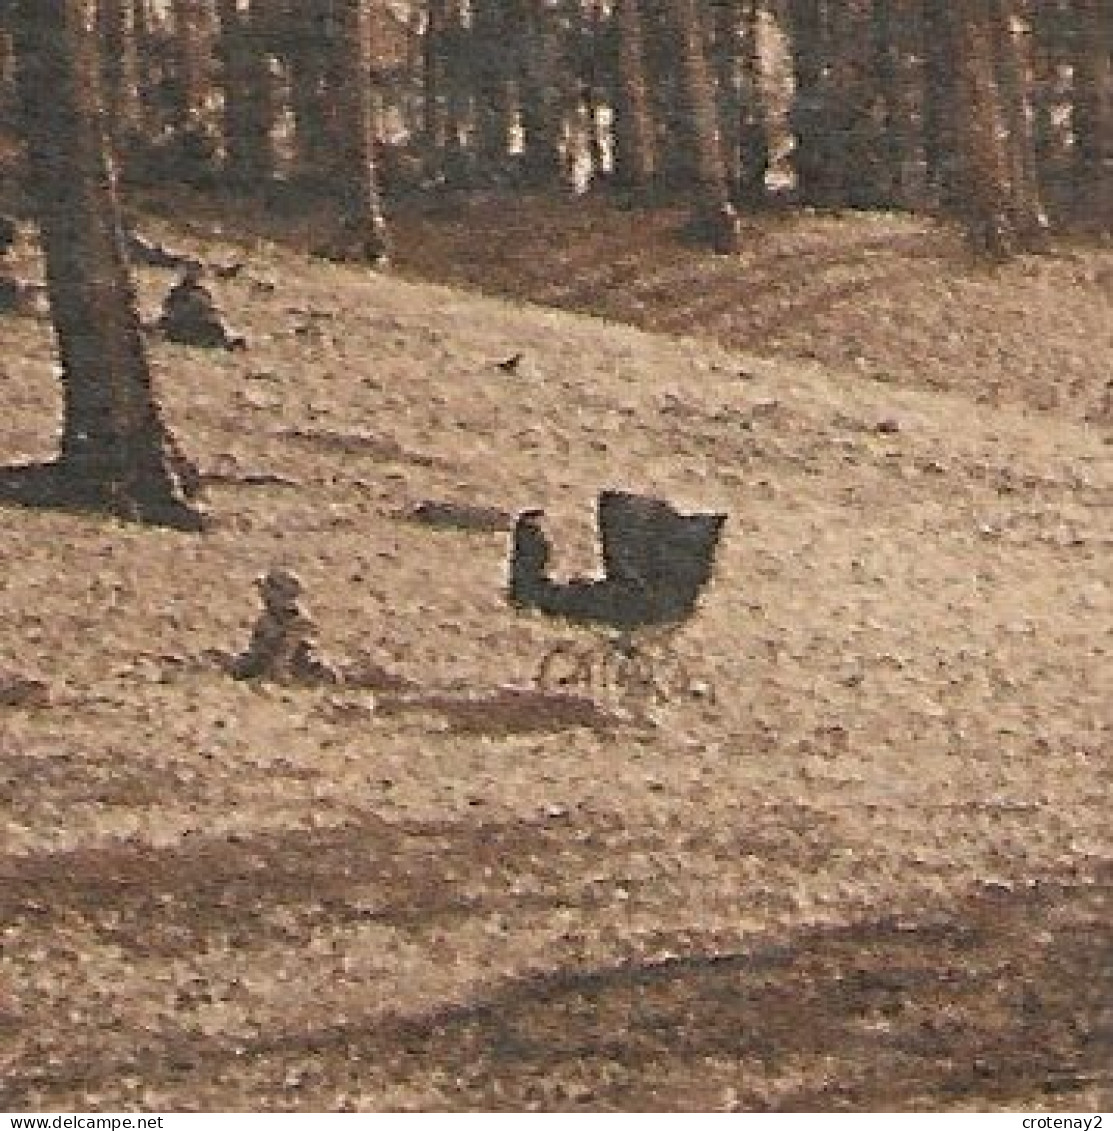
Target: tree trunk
<point x="1029" y="220"/>
<point x="1092" y="94"/>
<point x="432" y="76"/>
<point x="114" y="443"/>
<point x="539" y="91"/>
<point x="119" y="56"/>
<point x="668" y="115"/>
<point x="494" y="106"/>
<point x="148" y="77"/>
<point x="714" y="211"/>
<point x="1051" y="54"/>
<point x="809" y="104"/>
<point x="753" y="125"/>
<point x="636" y="161"/>
<point x="6" y="65"/>
<point x="725" y="19"/>
<point x="743" y="124"/>
<point x="192" y="58"/>
<point x="940" y="102"/>
<point x="852" y="143"/>
<point x="597" y="83"/>
<point x="894" y="158"/>
<point x="248" y="97"/>
<point x="306" y="56"/>
<point x="363" y="234"/>
<point x="456" y="156"/>
<point x="985" y="199"/>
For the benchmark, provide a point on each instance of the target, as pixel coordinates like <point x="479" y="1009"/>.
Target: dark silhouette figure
<point x="11" y="289"/>
<point x="283" y="646"/>
<point x="8" y="234"/>
<point x="656" y="563"/>
<point x="190" y="316"/>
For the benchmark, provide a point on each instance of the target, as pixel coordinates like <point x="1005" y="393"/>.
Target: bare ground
<point x="873" y="872"/>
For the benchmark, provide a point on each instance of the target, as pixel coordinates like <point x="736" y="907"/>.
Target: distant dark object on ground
<point x="9" y="232"/>
<point x="656" y="561"/>
<point x="282" y="646"/>
<point x="510" y="365"/>
<point x="190" y="316"/>
<point x="229" y="270"/>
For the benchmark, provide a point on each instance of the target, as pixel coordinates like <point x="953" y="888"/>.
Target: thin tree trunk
<point x="894" y="158"/>
<point x="600" y="87"/>
<point x="143" y="34"/>
<point x="119" y="57"/>
<point x="940" y="101"/>
<point x="985" y="198"/>
<point x="539" y="91"/>
<point x="809" y="105"/>
<point x="248" y="96"/>
<point x="114" y="442"/>
<point x="1029" y="219"/>
<point x="6" y="65"/>
<point x="742" y="118"/>
<point x="710" y="188"/>
<point x="457" y="156"/>
<point x="753" y="126"/>
<point x="1092" y="94"/>
<point x="1049" y="59"/>
<point x="307" y="51"/>
<point x="363" y="233"/>
<point x="636" y="158"/>
<point x="853" y="146"/>
<point x="842" y="104"/>
<point x="725" y="18"/>
<point x="667" y="113"/>
<point x="192" y="57"/>
<point x="433" y="124"/>
<point x="494" y="104"/>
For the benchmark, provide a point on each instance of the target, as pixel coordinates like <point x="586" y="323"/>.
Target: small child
<point x="282" y="647"/>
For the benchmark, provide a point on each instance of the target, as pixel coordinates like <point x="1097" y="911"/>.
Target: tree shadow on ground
<point x="999" y="996"/>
